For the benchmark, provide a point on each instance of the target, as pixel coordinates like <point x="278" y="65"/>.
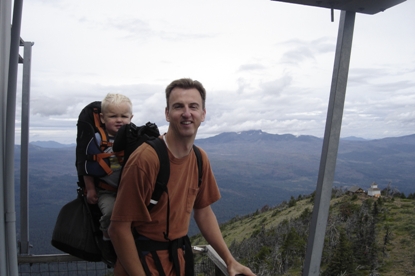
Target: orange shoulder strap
<point x="98" y="125"/>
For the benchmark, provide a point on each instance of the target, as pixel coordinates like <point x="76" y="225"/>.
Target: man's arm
<point x="209" y="227"/>
<point x="124" y="245"/>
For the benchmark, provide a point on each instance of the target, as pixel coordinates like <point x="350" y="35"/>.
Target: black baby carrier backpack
<point x="77" y="230"/>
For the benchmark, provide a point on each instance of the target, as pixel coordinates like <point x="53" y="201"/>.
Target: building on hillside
<point x="373" y="190"/>
<point x="355" y="190"/>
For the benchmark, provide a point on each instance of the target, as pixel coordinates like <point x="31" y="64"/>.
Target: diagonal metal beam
<point x="359" y="6"/>
<point x="330" y="145"/>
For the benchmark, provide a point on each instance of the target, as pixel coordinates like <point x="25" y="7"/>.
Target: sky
<point x="266" y="65"/>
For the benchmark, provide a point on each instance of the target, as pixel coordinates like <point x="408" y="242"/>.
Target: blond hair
<point x="114" y="99"/>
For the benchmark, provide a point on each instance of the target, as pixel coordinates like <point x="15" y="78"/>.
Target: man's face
<point x="185" y="112"/>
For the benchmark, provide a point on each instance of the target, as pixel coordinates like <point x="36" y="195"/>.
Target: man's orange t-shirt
<point x="135" y="190"/>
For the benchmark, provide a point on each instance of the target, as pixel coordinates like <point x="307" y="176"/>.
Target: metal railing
<point x="208" y="263"/>
<point x="215" y="263"/>
<point x="60" y="264"/>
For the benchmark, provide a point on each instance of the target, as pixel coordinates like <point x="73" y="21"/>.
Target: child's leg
<point x="106" y="201"/>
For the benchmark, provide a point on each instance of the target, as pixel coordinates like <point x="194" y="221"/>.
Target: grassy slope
<point x="400" y="254"/>
<point x="398" y="216"/>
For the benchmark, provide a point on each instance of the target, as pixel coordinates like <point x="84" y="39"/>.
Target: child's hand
<point x="92" y="197"/>
<point x="91" y="193"/>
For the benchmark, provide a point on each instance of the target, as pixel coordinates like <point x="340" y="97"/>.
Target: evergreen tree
<point x="292" y="202"/>
<point x="375" y="209"/>
<point x="343" y="260"/>
<point x="293" y="248"/>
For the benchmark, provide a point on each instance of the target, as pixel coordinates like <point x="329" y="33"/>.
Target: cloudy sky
<point x="266" y="65"/>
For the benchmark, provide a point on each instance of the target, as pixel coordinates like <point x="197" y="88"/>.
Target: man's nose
<point x="186" y="112"/>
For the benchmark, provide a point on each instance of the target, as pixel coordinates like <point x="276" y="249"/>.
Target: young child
<point x="116" y="110"/>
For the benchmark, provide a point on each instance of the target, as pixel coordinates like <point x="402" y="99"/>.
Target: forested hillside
<point x="364" y="236"/>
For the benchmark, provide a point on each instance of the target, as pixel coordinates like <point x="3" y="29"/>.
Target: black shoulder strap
<point x="164" y="173"/>
<point x="199" y="163"/>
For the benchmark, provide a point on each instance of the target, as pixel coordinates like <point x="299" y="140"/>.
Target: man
<point x="168" y="221"/>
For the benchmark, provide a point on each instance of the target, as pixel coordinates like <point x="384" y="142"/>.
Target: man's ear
<point x="166" y="113"/>
<point x="204" y="114"/>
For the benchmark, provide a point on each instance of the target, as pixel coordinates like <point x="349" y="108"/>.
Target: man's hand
<point x="238" y="269"/>
<point x="209" y="227"/>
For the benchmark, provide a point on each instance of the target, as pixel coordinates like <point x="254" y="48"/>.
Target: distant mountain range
<point x="51" y="144"/>
<point x="55" y="145"/>
<point x="252" y="168"/>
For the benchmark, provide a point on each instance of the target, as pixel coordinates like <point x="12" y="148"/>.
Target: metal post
<point x="330" y="145"/>
<point x="5" y="30"/>
<point x="9" y="202"/>
<point x="24" y="163"/>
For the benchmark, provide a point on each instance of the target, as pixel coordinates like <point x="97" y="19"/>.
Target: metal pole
<point x="24" y="163"/>
<point x="330" y="145"/>
<point x="10" y="212"/>
<point x="5" y="31"/>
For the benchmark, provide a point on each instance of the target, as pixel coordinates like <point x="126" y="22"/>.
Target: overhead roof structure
<point x="322" y="198"/>
<point x="360" y="6"/>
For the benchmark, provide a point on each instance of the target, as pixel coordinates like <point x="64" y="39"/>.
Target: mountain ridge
<point x="51" y="144"/>
<point x="247" y="135"/>
<point x="254" y="170"/>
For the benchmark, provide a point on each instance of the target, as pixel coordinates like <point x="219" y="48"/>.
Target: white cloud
<point x="265" y="64"/>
